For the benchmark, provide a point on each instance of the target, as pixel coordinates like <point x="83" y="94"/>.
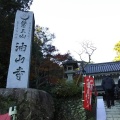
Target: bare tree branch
<point x="80" y="54"/>
<point x="89" y="48"/>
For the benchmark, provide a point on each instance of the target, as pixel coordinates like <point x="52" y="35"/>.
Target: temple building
<point x="100" y="70"/>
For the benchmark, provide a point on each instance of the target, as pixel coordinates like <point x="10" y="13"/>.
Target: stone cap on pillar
<point x="70" y="62"/>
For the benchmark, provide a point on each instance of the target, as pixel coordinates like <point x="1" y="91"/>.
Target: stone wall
<point x="31" y="104"/>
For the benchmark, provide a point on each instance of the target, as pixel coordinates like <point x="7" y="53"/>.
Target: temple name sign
<point x="19" y="67"/>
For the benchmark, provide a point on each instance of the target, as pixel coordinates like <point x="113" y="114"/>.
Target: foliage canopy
<point x="117" y="49"/>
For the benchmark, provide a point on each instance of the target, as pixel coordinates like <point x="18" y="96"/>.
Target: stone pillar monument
<point x="32" y="104"/>
<point x="19" y="67"/>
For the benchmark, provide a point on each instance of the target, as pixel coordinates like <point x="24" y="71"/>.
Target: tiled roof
<point x="102" y="67"/>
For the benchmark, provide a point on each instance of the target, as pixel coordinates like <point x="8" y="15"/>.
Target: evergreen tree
<point x="45" y="63"/>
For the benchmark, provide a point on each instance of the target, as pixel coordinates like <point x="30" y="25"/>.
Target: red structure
<point x="5" y="117"/>
<point x="88" y="88"/>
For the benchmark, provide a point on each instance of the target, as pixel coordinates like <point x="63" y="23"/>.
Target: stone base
<point x="31" y="104"/>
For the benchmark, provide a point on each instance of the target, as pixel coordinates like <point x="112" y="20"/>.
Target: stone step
<point x="109" y="113"/>
<point x="112" y="108"/>
<point x="114" y="112"/>
<point x="114" y="116"/>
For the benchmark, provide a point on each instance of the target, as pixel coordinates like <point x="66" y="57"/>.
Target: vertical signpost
<point x="19" y="67"/>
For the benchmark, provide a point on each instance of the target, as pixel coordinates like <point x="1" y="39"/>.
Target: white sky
<point x="74" y="21"/>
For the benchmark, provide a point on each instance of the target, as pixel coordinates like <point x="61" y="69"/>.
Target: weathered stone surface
<point x="31" y="104"/>
<point x="19" y="68"/>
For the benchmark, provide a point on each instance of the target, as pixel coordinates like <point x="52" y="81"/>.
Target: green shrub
<point x="66" y="89"/>
<point x="69" y="109"/>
